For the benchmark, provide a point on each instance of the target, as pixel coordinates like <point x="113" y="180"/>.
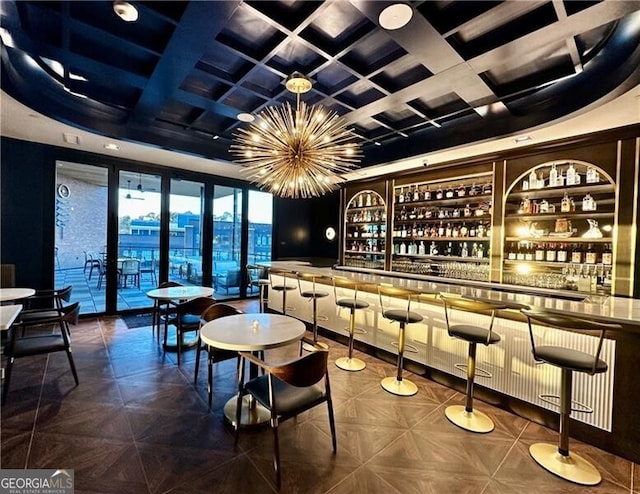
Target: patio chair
<point x="149" y="267"/>
<point x="130" y="269"/>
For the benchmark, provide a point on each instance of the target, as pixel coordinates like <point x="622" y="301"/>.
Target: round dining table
<point x="250" y="333"/>
<point x="8" y="294"/>
<point x="178" y="294"/>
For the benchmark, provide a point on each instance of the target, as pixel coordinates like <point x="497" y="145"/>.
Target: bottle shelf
<point x="552" y="216"/>
<point x="453" y="201"/>
<point x="365" y="223"/>
<point x="372" y="220"/>
<point x="563" y="240"/>
<point x="553" y="264"/>
<point x="363" y="252"/>
<point x="595" y="188"/>
<point x="443" y="239"/>
<point x="444" y="258"/>
<point x="364" y="239"/>
<point x="367" y="208"/>
<point x="461" y="219"/>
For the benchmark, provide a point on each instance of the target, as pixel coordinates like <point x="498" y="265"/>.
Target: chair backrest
<point x="304" y="371"/>
<point x="472" y="305"/>
<point x="131" y="266"/>
<point x="7" y="275"/>
<point x="70" y="313"/>
<point x="342" y="282"/>
<point x="255" y="272"/>
<point x="64" y="293"/>
<point x="311" y="278"/>
<point x="565" y="322"/>
<point x="285" y="273"/>
<point x="403" y="294"/>
<point x="168" y="284"/>
<point x="195" y="306"/>
<point x="219" y="310"/>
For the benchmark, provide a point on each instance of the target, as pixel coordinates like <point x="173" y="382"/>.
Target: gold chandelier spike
<point x="296" y="152"/>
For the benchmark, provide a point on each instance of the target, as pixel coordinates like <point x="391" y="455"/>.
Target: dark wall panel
<point x="27" y="214"/>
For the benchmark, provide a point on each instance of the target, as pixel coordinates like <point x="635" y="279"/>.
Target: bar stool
<point x="465" y="416"/>
<point x="352" y="303"/>
<point x="397" y="385"/>
<point x="284" y="288"/>
<point x="255" y="273"/>
<point x="313" y="295"/>
<point x="558" y="460"/>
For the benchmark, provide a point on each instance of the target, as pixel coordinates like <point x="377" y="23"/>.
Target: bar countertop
<point x="608" y="309"/>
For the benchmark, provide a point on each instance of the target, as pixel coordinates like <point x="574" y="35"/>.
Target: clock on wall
<point x="64" y="191"/>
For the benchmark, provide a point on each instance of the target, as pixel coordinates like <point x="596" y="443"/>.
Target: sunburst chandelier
<point x="296" y="153"/>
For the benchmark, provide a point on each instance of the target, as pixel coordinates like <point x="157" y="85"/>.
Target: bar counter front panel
<point x="515" y="373"/>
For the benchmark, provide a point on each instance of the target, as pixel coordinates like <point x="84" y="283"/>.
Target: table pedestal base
<point x="252" y="413"/>
<point x="186" y="345"/>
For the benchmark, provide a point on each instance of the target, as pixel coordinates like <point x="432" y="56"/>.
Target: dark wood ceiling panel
<point x="181" y="74"/>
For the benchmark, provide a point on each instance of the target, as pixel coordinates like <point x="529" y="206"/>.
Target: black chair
<point x="398" y="385"/>
<point x="148" y="267"/>
<point x="352" y="303"/>
<point x="283" y="287"/>
<point x="161" y="309"/>
<point x="313" y="295"/>
<point x="28" y="346"/>
<point x="465" y="416"/>
<point x="43" y="305"/>
<point x="288" y="389"/>
<point x="557" y="459"/>
<point x="256" y="279"/>
<point x="91" y="262"/>
<point x="212" y="312"/>
<point x="187" y="319"/>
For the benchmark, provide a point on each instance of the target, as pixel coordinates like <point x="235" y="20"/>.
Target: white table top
<point x="251" y="332"/>
<point x="15" y="293"/>
<point x="8" y="314"/>
<point x="180" y="292"/>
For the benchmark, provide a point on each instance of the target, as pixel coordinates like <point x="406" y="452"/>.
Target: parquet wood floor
<point x="137" y="424"/>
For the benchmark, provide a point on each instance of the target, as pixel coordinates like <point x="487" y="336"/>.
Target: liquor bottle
<point x="414" y="231"/>
<point x="607" y="256"/>
<point x="455" y="233"/>
<point x="464" y="231"/>
<point x="520" y="252"/>
<point x="421" y="213"/>
<point x="472" y="230"/>
<point x="427" y="194"/>
<point x="576" y="254"/>
<point x="413" y="214"/>
<point x="464" y="250"/>
<point x="551" y="253"/>
<point x="448" y="231"/>
<point x="462" y="191"/>
<point x="420" y="230"/>
<point x="593" y="176"/>
<point x="449" y="193"/>
<point x="433" y="249"/>
<point x="467" y="211"/>
<point x="533" y="180"/>
<point x="403" y="232"/>
<point x="553" y="176"/>
<point x="561" y="254"/>
<point x="539" y="252"/>
<point x="368" y="201"/>
<point x="481" y="230"/>
<point x="590" y="256"/>
<point x="441" y="230"/>
<point x="474" y="190"/>
<point x="480" y="251"/>
<point x="511" y="251"/>
<point x="571" y="175"/>
<point x="449" y="250"/>
<point x="374" y="200"/>
<point x="403" y="248"/>
<point x="565" y="204"/>
<point x="416" y="193"/>
<point x="528" y="253"/>
<point x="487" y="188"/>
<point x="474" y="250"/>
<point x="401" y="196"/>
<point x="439" y="193"/>
<point x="421" y="249"/>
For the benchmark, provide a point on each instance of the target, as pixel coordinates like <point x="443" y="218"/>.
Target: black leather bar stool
<point x="283" y="287"/>
<point x="557" y="459"/>
<point x="398" y="385"/>
<point x="352" y="303"/>
<point x="313" y="295"/>
<point x="255" y="274"/>
<point x="465" y="416"/>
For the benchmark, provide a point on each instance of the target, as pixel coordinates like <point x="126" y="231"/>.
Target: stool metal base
<point x="252" y="413"/>
<point x="350" y="364"/>
<point x="573" y="468"/>
<point x="400" y="388"/>
<point x="471" y="421"/>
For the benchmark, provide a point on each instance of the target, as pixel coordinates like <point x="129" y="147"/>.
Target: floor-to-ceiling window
<point x="259" y="241"/>
<point x="186" y="209"/>
<point x="227" y="223"/>
<point x="138" y="238"/>
<point x="81" y="233"/>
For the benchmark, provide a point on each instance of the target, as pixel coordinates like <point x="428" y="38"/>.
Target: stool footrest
<point x="554" y="399"/>
<point x="573" y="467"/>
<point x="479" y="372"/>
<point x="407" y="348"/>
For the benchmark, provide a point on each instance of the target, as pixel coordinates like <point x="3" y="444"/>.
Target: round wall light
<point x="330" y="233"/>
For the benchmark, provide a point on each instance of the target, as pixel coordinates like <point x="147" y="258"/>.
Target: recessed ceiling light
<point x="111" y="146"/>
<point x="246" y="117"/>
<point x="377" y="143"/>
<point x="522" y="139"/>
<point x="395" y="16"/>
<point x="215" y="137"/>
<point x="125" y="11"/>
<point x="70" y="138"/>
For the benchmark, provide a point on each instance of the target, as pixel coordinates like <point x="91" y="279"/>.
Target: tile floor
<point x="137" y="424"/>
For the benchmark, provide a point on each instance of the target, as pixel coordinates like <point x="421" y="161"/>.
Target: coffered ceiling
<point x="458" y="73"/>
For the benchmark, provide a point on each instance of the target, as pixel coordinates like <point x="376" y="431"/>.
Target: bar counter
<point x="517" y="378"/>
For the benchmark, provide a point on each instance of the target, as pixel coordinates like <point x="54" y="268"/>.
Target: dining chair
<point x="91" y="262"/>
<point x="47" y="301"/>
<point x="161" y="310"/>
<point x="130" y="268"/>
<point x="288" y="389"/>
<point x="148" y="267"/>
<point x="187" y="319"/>
<point x="28" y="346"/>
<point x="215" y="355"/>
